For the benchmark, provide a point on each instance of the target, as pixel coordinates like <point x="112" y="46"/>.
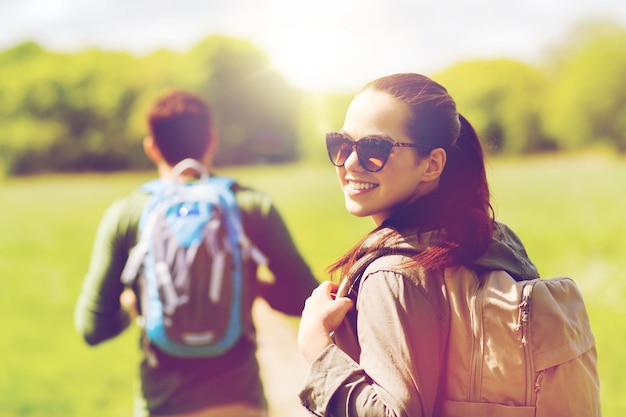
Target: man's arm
<point x="293" y="280"/>
<point x="98" y="313"/>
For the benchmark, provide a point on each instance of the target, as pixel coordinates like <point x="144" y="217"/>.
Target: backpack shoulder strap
<point x="155" y="189"/>
<point x="349" y="284"/>
<point x="249" y="250"/>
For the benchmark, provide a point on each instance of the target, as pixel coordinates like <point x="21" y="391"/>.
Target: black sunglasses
<point x="372" y="151"/>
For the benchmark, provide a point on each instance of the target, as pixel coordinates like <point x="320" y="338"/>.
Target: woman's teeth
<point x="362" y="185"/>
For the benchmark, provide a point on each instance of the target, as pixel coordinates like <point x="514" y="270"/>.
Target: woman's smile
<point x="361" y="185"/>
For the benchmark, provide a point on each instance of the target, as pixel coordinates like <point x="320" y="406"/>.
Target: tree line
<point x="575" y="99"/>
<point x="62" y="112"/>
<point x="86" y="111"/>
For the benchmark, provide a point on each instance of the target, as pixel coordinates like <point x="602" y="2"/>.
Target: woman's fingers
<point x="322" y="314"/>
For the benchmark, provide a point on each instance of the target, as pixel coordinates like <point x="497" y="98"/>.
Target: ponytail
<point x="466" y="214"/>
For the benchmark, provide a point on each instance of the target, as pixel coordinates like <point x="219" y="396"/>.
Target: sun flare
<point x="319" y="52"/>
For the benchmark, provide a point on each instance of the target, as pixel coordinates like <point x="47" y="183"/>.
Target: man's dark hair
<point x="180" y="124"/>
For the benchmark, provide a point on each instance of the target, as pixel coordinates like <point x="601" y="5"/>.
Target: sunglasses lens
<point x="373" y="153"/>
<point x="339" y="148"/>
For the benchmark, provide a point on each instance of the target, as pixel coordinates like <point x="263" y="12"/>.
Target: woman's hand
<point x="322" y="314"/>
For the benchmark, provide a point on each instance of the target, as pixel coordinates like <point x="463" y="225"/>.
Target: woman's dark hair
<point x="180" y="124"/>
<point x="461" y="205"/>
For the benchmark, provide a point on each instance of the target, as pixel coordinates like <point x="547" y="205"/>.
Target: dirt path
<point x="282" y="367"/>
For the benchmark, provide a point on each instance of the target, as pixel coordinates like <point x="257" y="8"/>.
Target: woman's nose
<point x="352" y="162"/>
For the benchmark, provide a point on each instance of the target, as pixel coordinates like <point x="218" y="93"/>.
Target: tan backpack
<point x="518" y="349"/>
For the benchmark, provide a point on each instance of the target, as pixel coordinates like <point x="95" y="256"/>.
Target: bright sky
<point x="320" y="45"/>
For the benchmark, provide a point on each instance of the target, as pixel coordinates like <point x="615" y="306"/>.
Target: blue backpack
<point x="189" y="260"/>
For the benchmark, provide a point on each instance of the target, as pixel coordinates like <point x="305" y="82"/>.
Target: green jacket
<point x="179" y="385"/>
<point x="388" y="354"/>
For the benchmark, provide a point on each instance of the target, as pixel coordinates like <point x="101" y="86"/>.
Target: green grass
<point x="568" y="210"/>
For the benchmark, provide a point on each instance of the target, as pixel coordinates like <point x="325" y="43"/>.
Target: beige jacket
<point x="388" y="354"/>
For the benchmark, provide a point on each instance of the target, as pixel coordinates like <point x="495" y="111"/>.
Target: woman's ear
<point x="436" y="163"/>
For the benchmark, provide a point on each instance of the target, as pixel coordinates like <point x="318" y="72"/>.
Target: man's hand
<point x="128" y="300"/>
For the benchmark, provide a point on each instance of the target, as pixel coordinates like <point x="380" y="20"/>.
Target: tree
<point x="587" y="102"/>
<point x="502" y="99"/>
<point x="86" y="111"/>
<point x="85" y="98"/>
<point x="256" y="110"/>
<point x="321" y="113"/>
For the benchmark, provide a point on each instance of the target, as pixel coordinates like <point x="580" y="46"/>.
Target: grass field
<point x="568" y="210"/>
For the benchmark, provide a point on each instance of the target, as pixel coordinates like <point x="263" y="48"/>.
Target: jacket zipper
<point x="476" y="354"/>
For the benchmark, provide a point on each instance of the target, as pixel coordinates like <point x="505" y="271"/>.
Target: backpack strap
<point x="186" y="164"/>
<point x="350" y="284"/>
<point x="249" y="250"/>
<point x="138" y="252"/>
